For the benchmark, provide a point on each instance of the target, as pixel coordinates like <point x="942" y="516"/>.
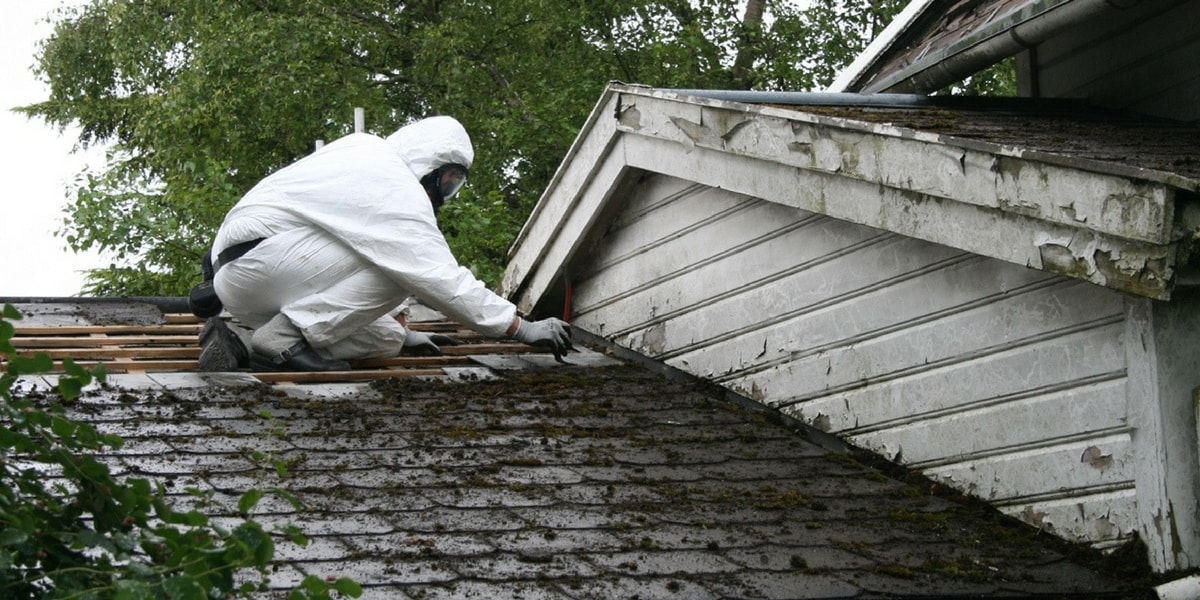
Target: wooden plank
<point x="969" y="433"/>
<point x="1077" y="463"/>
<point x="412" y="361"/>
<point x="135" y="366"/>
<point x="80" y="342"/>
<point x="446" y="327"/>
<point x="831" y="358"/>
<point x="60" y="330"/>
<point x="1098" y="517"/>
<point x="491" y="348"/>
<point x="116" y="352"/>
<point x="174" y="347"/>
<point x="1015" y="218"/>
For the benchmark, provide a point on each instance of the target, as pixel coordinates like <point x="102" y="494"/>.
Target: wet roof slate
<point x="602" y="479"/>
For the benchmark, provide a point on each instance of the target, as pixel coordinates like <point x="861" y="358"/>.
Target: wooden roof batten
<point x="1110" y="223"/>
<point x="172" y="346"/>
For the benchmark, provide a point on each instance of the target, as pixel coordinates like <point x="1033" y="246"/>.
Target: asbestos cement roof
<point x="606" y="478"/>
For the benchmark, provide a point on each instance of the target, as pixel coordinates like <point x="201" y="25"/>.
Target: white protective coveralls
<point x="350" y="234"/>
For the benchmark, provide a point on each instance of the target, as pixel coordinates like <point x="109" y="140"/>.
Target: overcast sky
<point x="38" y="165"/>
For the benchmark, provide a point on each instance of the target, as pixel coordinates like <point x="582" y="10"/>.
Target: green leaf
<point x="94" y="469"/>
<point x="112" y="440"/>
<point x="11" y="313"/>
<point x="315" y="586"/>
<point x="63" y="427"/>
<point x="261" y="548"/>
<point x="69" y="387"/>
<point x="39" y="363"/>
<point x="294" y="535"/>
<point x="91" y="539"/>
<point x="7" y="331"/>
<point x="290" y="498"/>
<point x="347" y="587"/>
<point x="249" y="500"/>
<point x="12" y="536"/>
<point x="192" y="518"/>
<point x="70" y="367"/>
<point x="183" y="587"/>
<point x="132" y="589"/>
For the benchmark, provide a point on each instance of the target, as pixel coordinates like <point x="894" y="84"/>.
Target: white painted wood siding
<point x="1143" y="59"/>
<point x="999" y="380"/>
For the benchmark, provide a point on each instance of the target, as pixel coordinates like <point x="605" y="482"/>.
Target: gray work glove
<point x="419" y="343"/>
<point x="551" y="333"/>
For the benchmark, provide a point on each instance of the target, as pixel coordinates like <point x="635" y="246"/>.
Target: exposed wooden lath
<point x="173" y="346"/>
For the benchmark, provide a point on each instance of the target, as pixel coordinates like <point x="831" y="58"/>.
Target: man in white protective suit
<point x="318" y="257"/>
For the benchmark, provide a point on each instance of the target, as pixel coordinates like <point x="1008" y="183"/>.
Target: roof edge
<point x="611" y="88"/>
<point x="1023" y="27"/>
<point x="845" y="80"/>
<point x="1007" y="36"/>
<point x="169" y="304"/>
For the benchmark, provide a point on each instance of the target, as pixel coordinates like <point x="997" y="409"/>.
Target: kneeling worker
<point x="318" y="256"/>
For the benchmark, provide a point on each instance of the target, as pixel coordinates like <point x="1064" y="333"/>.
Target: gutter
<point x="884" y="100"/>
<point x="1022" y="29"/>
<point x="809" y="98"/>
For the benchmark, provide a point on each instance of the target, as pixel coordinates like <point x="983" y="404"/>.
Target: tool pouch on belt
<point x="203" y="300"/>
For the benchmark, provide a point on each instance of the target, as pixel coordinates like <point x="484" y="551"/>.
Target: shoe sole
<point x="220" y="349"/>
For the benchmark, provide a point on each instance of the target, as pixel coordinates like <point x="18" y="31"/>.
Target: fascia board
<point x="532" y="280"/>
<point x="1109" y="229"/>
<point x="1061" y="189"/>
<point x="591" y="142"/>
<point x="558" y="223"/>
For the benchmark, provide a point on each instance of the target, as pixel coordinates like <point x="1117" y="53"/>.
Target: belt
<point x="236" y="251"/>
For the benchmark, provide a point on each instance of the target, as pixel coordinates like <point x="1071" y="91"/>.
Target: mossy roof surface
<point x="575" y="482"/>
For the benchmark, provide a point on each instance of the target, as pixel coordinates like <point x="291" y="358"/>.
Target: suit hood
<point x="430" y="143"/>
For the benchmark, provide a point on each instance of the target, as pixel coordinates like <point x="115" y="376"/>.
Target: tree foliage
<point x="199" y="99"/>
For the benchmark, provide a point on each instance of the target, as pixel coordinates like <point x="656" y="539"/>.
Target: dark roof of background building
<point x="935" y="29"/>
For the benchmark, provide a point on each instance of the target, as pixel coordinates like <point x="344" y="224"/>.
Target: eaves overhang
<point x="1112" y="224"/>
<point x="905" y="59"/>
<point x="882" y="46"/>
